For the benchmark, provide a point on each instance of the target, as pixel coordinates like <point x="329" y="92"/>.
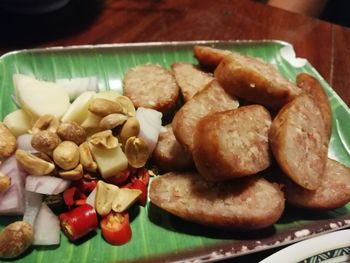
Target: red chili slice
<point x="116" y="228"/>
<point x="143" y="175"/>
<point x="86" y="185"/>
<point x="73" y="196"/>
<point x="140" y="185"/>
<point x="120" y="178"/>
<point x="79" y="221"/>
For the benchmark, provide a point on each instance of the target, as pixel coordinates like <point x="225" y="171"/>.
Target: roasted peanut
<point x="5" y="182"/>
<point x="8" y="143"/>
<point x="71" y="131"/>
<point x="130" y="128"/>
<point x="76" y="174"/>
<point x="45" y="141"/>
<point x="45" y="123"/>
<point x="33" y="164"/>
<point x="136" y="150"/>
<point x="127" y="104"/>
<point x="86" y="158"/>
<point x="103" y="107"/>
<point x="104" y="139"/>
<point x="66" y="155"/>
<point x="125" y="198"/>
<point x="15" y="239"/>
<point x="105" y="194"/>
<point x="112" y="121"/>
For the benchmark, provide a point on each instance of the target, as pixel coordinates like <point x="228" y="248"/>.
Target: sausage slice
<point x="151" y="86"/>
<point x="169" y="155"/>
<point x="190" y="79"/>
<point x="255" y="80"/>
<point x="333" y="192"/>
<point x="299" y="141"/>
<point x="232" y="143"/>
<point x="312" y="86"/>
<point x="212" y="98"/>
<point x="246" y="203"/>
<point x="209" y="57"/>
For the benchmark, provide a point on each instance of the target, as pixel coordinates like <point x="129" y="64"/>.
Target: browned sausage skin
<point x="209" y="57"/>
<point x="190" y="79"/>
<point x="169" y="155"/>
<point x="255" y="80"/>
<point x="212" y="98"/>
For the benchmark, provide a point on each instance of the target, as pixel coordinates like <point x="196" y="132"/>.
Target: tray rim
<point x="144" y="44"/>
<point x="212" y="252"/>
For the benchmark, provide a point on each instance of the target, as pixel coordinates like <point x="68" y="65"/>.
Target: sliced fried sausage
<point x="232" y="143"/>
<point x="169" y="155"/>
<point x="333" y="192"/>
<point x="312" y="86"/>
<point x="209" y="57"/>
<point x="190" y="79"/>
<point x="246" y="203"/>
<point x="151" y="86"/>
<point x="299" y="141"/>
<point x="255" y="80"/>
<point x="212" y="98"/>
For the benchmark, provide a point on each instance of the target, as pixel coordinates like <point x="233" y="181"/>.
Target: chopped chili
<point x="116" y="228"/>
<point x="140" y="185"/>
<point x="86" y="185"/>
<point x="120" y="178"/>
<point x="73" y="196"/>
<point x="79" y="221"/>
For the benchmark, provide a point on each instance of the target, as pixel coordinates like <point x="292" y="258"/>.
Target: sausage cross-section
<point x="232" y="143"/>
<point x="246" y="203"/>
<point x="212" y="98"/>
<point x="151" y="86"/>
<point x="299" y="141"/>
<point x="190" y="79"/>
<point x="333" y="192"/>
<point x="169" y="155"/>
<point x="312" y="87"/>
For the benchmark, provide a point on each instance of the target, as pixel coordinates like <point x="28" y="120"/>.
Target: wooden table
<point x="124" y="21"/>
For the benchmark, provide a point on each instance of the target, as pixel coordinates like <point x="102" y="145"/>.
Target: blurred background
<point x="25" y="23"/>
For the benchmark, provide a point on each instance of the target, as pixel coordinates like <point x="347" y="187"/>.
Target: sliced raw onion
<point x="24" y="143"/>
<point x="150" y="126"/>
<point x="91" y="198"/>
<point x="12" y="201"/>
<point x="77" y="86"/>
<point x="32" y="204"/>
<point x="46" y="227"/>
<point x="47" y="185"/>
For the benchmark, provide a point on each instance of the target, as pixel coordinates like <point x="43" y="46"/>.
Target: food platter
<point x="157" y="235"/>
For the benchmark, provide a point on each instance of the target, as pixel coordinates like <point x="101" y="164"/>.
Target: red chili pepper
<point x="86" y="185"/>
<point x="116" y="228"/>
<point x="120" y="178"/>
<point x="143" y="175"/>
<point x="79" y="221"/>
<point x="73" y="196"/>
<point x="138" y="184"/>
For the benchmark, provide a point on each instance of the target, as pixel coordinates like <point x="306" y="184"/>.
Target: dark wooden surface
<point x="123" y="21"/>
<point x="325" y="45"/>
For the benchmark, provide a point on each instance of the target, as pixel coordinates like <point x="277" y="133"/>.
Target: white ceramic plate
<point x="331" y="248"/>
